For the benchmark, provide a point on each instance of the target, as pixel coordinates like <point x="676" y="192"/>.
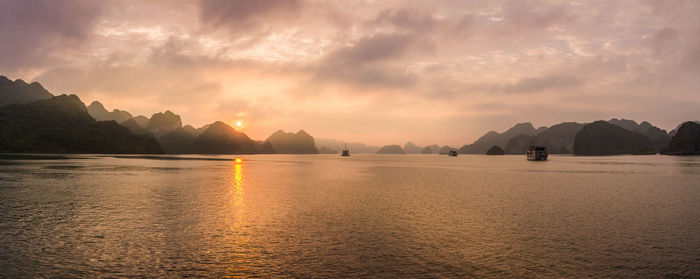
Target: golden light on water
<point x="238" y="222"/>
<point x="238" y="182"/>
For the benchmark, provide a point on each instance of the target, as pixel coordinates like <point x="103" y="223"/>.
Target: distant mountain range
<point x="220" y="138"/>
<point x="615" y="136"/>
<point x="98" y="111"/>
<point x="33" y="120"/>
<point x="488" y="140"/>
<point x="174" y="138"/>
<point x="391" y="149"/>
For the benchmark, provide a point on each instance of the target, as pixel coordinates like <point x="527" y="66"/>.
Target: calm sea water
<point x="362" y="216"/>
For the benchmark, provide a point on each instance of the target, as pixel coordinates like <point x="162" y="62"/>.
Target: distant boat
<point x="452" y="153"/>
<point x="346" y="152"/>
<point x="537" y="153"/>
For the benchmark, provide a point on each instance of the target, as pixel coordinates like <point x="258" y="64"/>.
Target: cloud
<point x="539" y="84"/>
<point x="241" y="16"/>
<point x="372" y="49"/>
<point x="370" y="61"/>
<point x="518" y="16"/>
<point x="407" y="19"/>
<point x="35" y="32"/>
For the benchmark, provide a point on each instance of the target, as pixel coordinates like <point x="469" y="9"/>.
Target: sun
<point x="239" y="124"/>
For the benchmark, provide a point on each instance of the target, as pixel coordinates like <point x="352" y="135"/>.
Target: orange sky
<point x="378" y="72"/>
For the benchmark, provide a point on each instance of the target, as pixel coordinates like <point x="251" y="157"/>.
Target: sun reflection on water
<point x="240" y="264"/>
<point x="238" y="183"/>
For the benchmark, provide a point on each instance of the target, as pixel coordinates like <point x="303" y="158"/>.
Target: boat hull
<point x="537" y="157"/>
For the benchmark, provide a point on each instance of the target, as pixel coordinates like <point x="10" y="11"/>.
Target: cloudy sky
<point x="378" y="72"/>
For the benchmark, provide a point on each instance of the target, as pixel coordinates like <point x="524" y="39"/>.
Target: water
<point x="365" y="215"/>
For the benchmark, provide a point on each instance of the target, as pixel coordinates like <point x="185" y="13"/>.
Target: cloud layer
<point x="379" y="72"/>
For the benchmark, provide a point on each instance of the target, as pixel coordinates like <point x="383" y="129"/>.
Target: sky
<point x="378" y="72"/>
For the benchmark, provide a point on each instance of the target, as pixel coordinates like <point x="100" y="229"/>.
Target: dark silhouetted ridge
<point x="19" y="92"/>
<point x="134" y="127"/>
<point x="686" y="140"/>
<point x="495" y="150"/>
<point x="62" y="125"/>
<point x="603" y="138"/>
<point x="411" y="148"/>
<point x="98" y="111"/>
<point x="220" y="138"/>
<point x="290" y="143"/>
<point x="391" y="149"/>
<point x="481" y="145"/>
<point x="163" y="122"/>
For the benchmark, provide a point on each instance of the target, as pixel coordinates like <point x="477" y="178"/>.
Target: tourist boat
<point x="452" y="153"/>
<point x="537" y="153"/>
<point x="346" y="152"/>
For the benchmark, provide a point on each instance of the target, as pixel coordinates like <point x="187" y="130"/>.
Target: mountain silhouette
<point x="411" y="148"/>
<point x="163" y="122"/>
<point x="495" y="150"/>
<point x="630" y="125"/>
<point x="686" y="140"/>
<point x="62" y="125"/>
<point x="391" y="149"/>
<point x="559" y="138"/>
<point x="98" y="111"/>
<point x="19" y="92"/>
<point x="675" y="130"/>
<point x="220" y="138"/>
<point x="290" y="143"/>
<point x="141" y="120"/>
<point x="519" y="144"/>
<point x="190" y="130"/>
<point x="603" y="138"/>
<point x="659" y="138"/>
<point x="134" y="127"/>
<point x="177" y="141"/>
<point x="434" y="148"/>
<point x="481" y="145"/>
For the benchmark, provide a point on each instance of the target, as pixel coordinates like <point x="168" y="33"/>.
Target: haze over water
<point x="366" y="215"/>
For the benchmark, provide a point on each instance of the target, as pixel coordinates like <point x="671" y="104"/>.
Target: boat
<point x="452" y="153"/>
<point x="537" y="153"/>
<point x="346" y="152"/>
